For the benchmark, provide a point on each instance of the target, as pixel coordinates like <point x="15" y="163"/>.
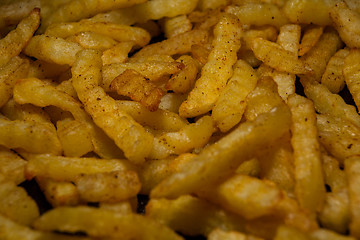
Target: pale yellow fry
<point x="14" y="11"/>
<point x="267" y="32"/>
<point x="309" y="180"/>
<point x="218" y="69"/>
<point x="278" y="58"/>
<point x="334" y="177"/>
<point x="289" y="37"/>
<point x="258" y="14"/>
<point x="12" y="230"/>
<point x="31" y="136"/>
<point x="287" y="232"/>
<point x="149" y="10"/>
<point x="319" y="55"/>
<point x="79" y="9"/>
<point x="92" y="40"/>
<point x="67" y="169"/>
<point x="176" y="25"/>
<point x="180" y="44"/>
<point x="16" y="204"/>
<point x="191" y="136"/>
<point x="158" y="120"/>
<point x="117" y="54"/>
<point x="333" y="77"/>
<point x="120" y="33"/>
<point x="47" y="95"/>
<point x="310" y="37"/>
<point x="351" y="71"/>
<point x="12" y="166"/>
<point x="329" y="103"/>
<point x="221" y="159"/>
<point x="128" y="135"/>
<point x="324" y="234"/>
<point x="46" y="70"/>
<point x="16" y="40"/>
<point x="52" y="49"/>
<point x="86" y="219"/>
<point x="229" y="108"/>
<point x="352" y="166"/>
<point x="308" y="11"/>
<point x="347" y="23"/>
<point x="16" y="68"/>
<point x="219" y="234"/>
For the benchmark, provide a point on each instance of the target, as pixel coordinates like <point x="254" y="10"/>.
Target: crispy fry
<point x="12" y="166"/>
<point x="117" y="54"/>
<point x="310" y="37"/>
<point x="92" y="40"/>
<point x="351" y="70"/>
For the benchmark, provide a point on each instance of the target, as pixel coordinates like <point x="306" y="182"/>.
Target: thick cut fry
<point x="177" y="45"/>
<point x="16" y="68"/>
<point x="329" y="103"/>
<point x="128" y="135"/>
<point x="92" y="40"/>
<point x="117" y="54"/>
<point x="183" y="81"/>
<point x="16" y="40"/>
<point x="229" y="108"/>
<point x="352" y="166"/>
<point x="258" y="14"/>
<point x="70" y="133"/>
<point x="266" y="32"/>
<point x="233" y="149"/>
<point x="333" y="77"/>
<point x="319" y="55"/>
<point x="120" y="33"/>
<point x="310" y="37"/>
<point x="52" y="49"/>
<point x="67" y="169"/>
<point x="176" y="25"/>
<point x="112" y="186"/>
<point x="12" y="166"/>
<point x="78" y="9"/>
<point x="86" y="219"/>
<point x="47" y="95"/>
<point x="16" y="204"/>
<point x="309" y="180"/>
<point x="347" y="23"/>
<point x="218" y="69"/>
<point x="192" y="136"/>
<point x="351" y="71"/>
<point x="277" y="57"/>
<point x="59" y="193"/>
<point x="132" y="84"/>
<point x="309" y="11"/>
<point x="149" y="10"/>
<point x="158" y="120"/>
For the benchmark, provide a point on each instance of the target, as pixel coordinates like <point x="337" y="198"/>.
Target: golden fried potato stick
<point x="149" y="10"/>
<point x="309" y="180"/>
<point x="92" y="40"/>
<point x="47" y="95"/>
<point x="233" y="149"/>
<point x="218" y="69"/>
<point x="219" y="234"/>
<point x="15" y="69"/>
<point x="128" y="135"/>
<point x="120" y="33"/>
<point x="347" y="23"/>
<point x="112" y="225"/>
<point x="117" y="54"/>
<point x="180" y="44"/>
<point x="14" y="11"/>
<point x="14" y="42"/>
<point x="176" y="25"/>
<point x="12" y="165"/>
<point x="351" y="71"/>
<point x="132" y="84"/>
<point x="79" y="9"/>
<point x="310" y="37"/>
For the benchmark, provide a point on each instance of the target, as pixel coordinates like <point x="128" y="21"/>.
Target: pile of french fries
<point x="236" y="118"/>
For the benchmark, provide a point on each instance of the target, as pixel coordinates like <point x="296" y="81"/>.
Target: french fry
<point x="16" y="204"/>
<point x="12" y="166"/>
<point x="85" y="219"/>
<point x="233" y="149"/>
<point x="218" y="234"/>
<point x="132" y="84"/>
<point x="92" y="40"/>
<point x="287" y="232"/>
<point x="117" y="54"/>
<point x="351" y="70"/>
<point x="191" y="136"/>
<point x="123" y="207"/>
<point x="266" y="32"/>
<point x="309" y="180"/>
<point x="335" y="178"/>
<point x="176" y="25"/>
<point x="200" y="53"/>
<point x="229" y="108"/>
<point x="333" y="77"/>
<point x="310" y="37"/>
<point x="346" y="22"/>
<point x="258" y="14"/>
<point x="16" y="40"/>
<point x="130" y="136"/>
<point x="352" y="175"/>
<point x="67" y="169"/>
<point x="318" y="56"/>
<point x="217" y="70"/>
<point x="14" y="12"/>
<point x="322" y="234"/>
<point x="52" y="49"/>
<point x="120" y="33"/>
<point x="45" y="70"/>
